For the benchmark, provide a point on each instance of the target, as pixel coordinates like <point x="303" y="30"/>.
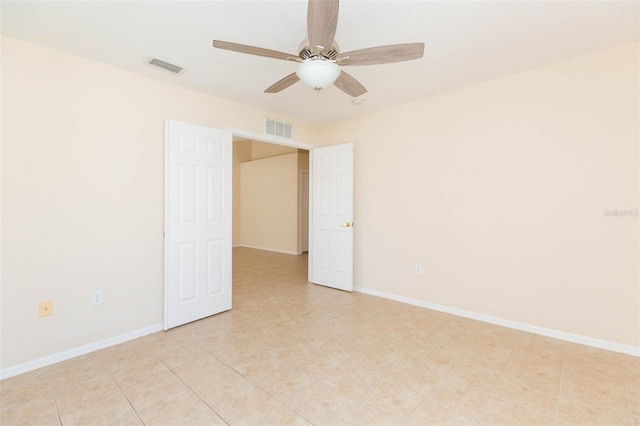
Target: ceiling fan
<point x="319" y="56"/>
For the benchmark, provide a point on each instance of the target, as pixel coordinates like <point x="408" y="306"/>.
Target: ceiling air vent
<point x="278" y="128"/>
<point x="165" y="65"/>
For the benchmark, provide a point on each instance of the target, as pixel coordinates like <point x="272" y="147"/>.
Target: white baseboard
<point x="5" y="373"/>
<point x="549" y="332"/>
<point x="268" y="249"/>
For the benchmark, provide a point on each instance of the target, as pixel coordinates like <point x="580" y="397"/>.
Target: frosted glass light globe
<point x="318" y="73"/>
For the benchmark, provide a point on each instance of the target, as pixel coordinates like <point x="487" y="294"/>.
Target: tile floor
<point x="294" y="353"/>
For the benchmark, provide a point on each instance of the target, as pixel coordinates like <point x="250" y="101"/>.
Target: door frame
<point x="300" y="215"/>
<point x="279" y="140"/>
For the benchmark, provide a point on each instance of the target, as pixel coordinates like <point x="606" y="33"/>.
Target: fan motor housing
<point x="308" y="52"/>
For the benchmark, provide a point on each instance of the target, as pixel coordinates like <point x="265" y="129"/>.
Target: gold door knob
<point x="346" y="225"/>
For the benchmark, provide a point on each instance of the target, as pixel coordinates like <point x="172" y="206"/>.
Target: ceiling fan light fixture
<point x="318" y="73"/>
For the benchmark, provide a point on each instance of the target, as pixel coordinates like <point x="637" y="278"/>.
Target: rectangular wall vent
<point x="165" y="65"/>
<point x="278" y="128"/>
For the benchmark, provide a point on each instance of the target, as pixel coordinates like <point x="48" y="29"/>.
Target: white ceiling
<point x="466" y="42"/>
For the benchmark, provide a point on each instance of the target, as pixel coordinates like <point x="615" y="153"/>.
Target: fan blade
<point x="279" y="86"/>
<point x="382" y="54"/>
<point x="350" y="85"/>
<point x="252" y="50"/>
<point x="322" y="20"/>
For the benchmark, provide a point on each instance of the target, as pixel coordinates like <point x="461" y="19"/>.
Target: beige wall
<point x="269" y="203"/>
<point x="499" y="191"/>
<point x="241" y="153"/>
<point x="82" y="195"/>
<point x="265" y="150"/>
<point x="247" y="150"/>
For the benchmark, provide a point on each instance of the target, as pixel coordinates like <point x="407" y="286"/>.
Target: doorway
<point x="268" y="210"/>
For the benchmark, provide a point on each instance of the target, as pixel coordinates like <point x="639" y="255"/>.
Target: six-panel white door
<point x="198" y="163"/>
<point x="331" y="245"/>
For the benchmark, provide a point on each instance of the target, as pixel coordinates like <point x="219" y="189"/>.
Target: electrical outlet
<point x="46" y="308"/>
<point x="418" y="268"/>
<point x="97" y="297"/>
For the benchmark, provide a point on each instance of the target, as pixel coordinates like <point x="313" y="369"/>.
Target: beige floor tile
<point x="423" y="357"/>
<point x="236" y="352"/>
<point x="500" y="412"/>
<point x="200" y="370"/>
<point x="318" y="403"/>
<point x="246" y="408"/>
<point x="536" y="342"/>
<point x="336" y="348"/>
<point x="261" y="364"/>
<point x="527" y="394"/>
<point x="350" y="379"/>
<point x="576" y="411"/>
<point x="588" y="358"/>
<point x="490" y="355"/>
<point x="99" y="412"/>
<point x="540" y="367"/>
<point x="418" y="379"/>
<point x="224" y="385"/>
<point x="120" y="356"/>
<point x="77" y="371"/>
<point x="432" y="413"/>
<point x="207" y="417"/>
<point x="176" y="409"/>
<point x="317" y="365"/>
<point x="216" y="342"/>
<point x="318" y="335"/>
<point x="287" y="383"/>
<point x="378" y="364"/>
<point x="393" y="401"/>
<point x="137" y="372"/>
<point x="69" y="397"/>
<point x="499" y="334"/>
<point x="128" y="420"/>
<point x="458" y="395"/>
<point x="355" y="415"/>
<point x="19" y="390"/>
<point x="178" y="353"/>
<point x="283" y="416"/>
<point x="475" y="374"/>
<point x="596" y="387"/>
<point x="32" y="411"/>
<point x="634" y="402"/>
<point x="153" y="389"/>
<point x="630" y="367"/>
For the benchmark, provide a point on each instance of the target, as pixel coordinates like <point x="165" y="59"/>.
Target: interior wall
<point x="265" y="150"/>
<point x="241" y="153"/>
<point x="269" y="203"/>
<point x="83" y="195"/>
<point x="501" y="191"/>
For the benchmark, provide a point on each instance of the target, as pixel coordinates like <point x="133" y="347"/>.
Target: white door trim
<point x="301" y="173"/>
<point x="263" y="137"/>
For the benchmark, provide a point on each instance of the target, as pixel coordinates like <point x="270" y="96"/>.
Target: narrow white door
<point x="304" y="211"/>
<point x="331" y="242"/>
<point x="197" y="249"/>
